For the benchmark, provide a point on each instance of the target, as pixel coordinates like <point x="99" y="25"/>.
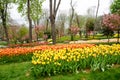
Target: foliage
<point x="112" y="21"/>
<point x="108" y="32"/>
<point x="31" y="9"/>
<point x="90" y="24"/>
<point x="13" y="33"/>
<point x="48" y="34"/>
<point x="22" y="31"/>
<point x="17" y="33"/>
<point x="71" y="60"/>
<point x="36" y="8"/>
<point x="74" y="30"/>
<point x="39" y="31"/>
<point x="115" y="7"/>
<point x="3" y="43"/>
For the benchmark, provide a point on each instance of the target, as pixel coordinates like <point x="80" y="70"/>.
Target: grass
<point x="22" y="71"/>
<point x="77" y="37"/>
<point x="3" y="43"/>
<point x="15" y="71"/>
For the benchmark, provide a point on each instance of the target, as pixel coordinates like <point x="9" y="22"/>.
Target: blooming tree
<point x="39" y="30"/>
<point x="112" y="21"/>
<point x="74" y="30"/>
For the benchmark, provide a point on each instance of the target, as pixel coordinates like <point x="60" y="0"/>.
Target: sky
<point x="81" y="7"/>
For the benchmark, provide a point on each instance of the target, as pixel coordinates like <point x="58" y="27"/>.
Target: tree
<point x="39" y="30"/>
<point x="13" y="33"/>
<point x="115" y="7"/>
<point x="89" y="26"/>
<point x="72" y="13"/>
<point x="22" y="32"/>
<point x="29" y="19"/>
<point x="44" y="20"/>
<point x="96" y="16"/>
<point x="53" y="12"/>
<point x="71" y="18"/>
<point x="31" y="9"/>
<point x="73" y="30"/>
<point x="112" y="21"/>
<point x="3" y="14"/>
<point x="61" y="19"/>
<point x="36" y="11"/>
<point x="79" y="21"/>
<point x="91" y="11"/>
<point x="107" y="32"/>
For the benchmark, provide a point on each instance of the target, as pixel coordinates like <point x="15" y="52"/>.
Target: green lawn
<point x="22" y="71"/>
<point x="77" y="37"/>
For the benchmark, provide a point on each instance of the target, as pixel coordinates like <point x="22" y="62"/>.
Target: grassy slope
<point x="21" y="71"/>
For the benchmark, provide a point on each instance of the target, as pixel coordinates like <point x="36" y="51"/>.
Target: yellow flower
<point x="43" y="63"/>
<point x="57" y="63"/>
<point x="34" y="62"/>
<point x="94" y="55"/>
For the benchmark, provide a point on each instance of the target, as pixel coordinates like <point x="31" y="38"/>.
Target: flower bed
<point x="71" y="60"/>
<point x="25" y="53"/>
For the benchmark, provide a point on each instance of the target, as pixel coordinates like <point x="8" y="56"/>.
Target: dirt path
<point x="94" y="41"/>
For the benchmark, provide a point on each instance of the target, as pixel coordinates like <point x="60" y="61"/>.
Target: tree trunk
<point x="52" y="20"/>
<point x="53" y="30"/>
<point x="72" y="15"/>
<point x="30" y="21"/>
<point x="78" y="23"/>
<point x="3" y="16"/>
<point x="47" y="25"/>
<point x="96" y="18"/>
<point x="5" y="30"/>
<point x="53" y="12"/>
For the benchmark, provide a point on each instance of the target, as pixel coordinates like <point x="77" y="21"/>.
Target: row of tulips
<point x="51" y="62"/>
<point x="27" y="50"/>
<point x="20" y="54"/>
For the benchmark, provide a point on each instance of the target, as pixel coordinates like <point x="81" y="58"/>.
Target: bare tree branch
<point x="50" y="8"/>
<point x="72" y="15"/>
<point x="54" y="6"/>
<point x="97" y="8"/>
<point x="57" y="7"/>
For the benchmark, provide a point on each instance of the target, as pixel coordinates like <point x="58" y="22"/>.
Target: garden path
<point x="94" y="41"/>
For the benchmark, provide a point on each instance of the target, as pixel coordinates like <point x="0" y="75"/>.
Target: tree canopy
<point x="115" y="7"/>
<point x="35" y="8"/>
